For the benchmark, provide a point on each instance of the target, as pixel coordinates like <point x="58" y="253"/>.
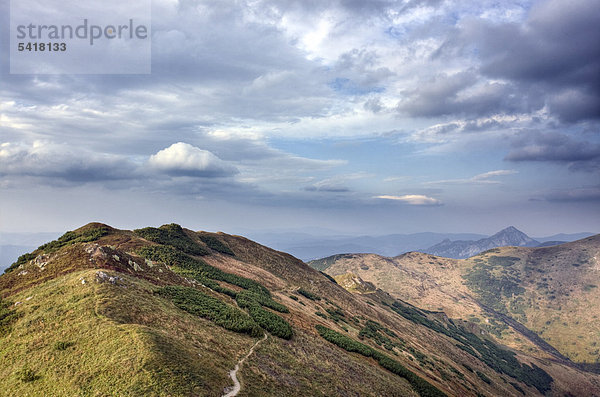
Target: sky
<point x="360" y="117"/>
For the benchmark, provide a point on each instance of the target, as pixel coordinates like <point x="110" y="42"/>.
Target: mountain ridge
<point x="178" y="309"/>
<point x="311" y="247"/>
<point x="461" y="249"/>
<point x="550" y="290"/>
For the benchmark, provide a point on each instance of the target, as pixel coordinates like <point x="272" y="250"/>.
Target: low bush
<point x="484" y="377"/>
<point x="308" y="294"/>
<point x="20" y="261"/>
<point x="205" y="306"/>
<point x="215" y="244"/>
<point x="270" y="322"/>
<point x="68" y="238"/>
<point x="419" y="384"/>
<point x="500" y="360"/>
<point x="62" y="345"/>
<point x="174" y="236"/>
<point x="267" y="320"/>
<point x="197" y="268"/>
<point x="27" y="375"/>
<point x="7" y="317"/>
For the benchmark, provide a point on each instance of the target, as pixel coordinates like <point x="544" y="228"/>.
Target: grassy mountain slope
<point x="169" y="311"/>
<point x="551" y="290"/>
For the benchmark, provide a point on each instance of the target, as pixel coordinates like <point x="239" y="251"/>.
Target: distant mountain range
<point x="306" y="245"/>
<point x="461" y="249"/>
<point x="309" y="247"/>
<point x="551" y="291"/>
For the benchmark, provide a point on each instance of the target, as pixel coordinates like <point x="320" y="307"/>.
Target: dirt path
<point x="230" y="392"/>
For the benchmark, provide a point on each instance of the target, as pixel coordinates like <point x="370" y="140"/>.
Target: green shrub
<point x="502" y="260"/>
<point x="27" y="375"/>
<point x="498" y="359"/>
<point x="62" y="345"/>
<point x="20" y="261"/>
<point x="294" y="297"/>
<point x="373" y="330"/>
<point x="253" y="297"/>
<point x="215" y="244"/>
<point x="7" y="317"/>
<point x="517" y="388"/>
<point x="490" y="287"/>
<point x="308" y="294"/>
<point x="205" y="306"/>
<point x="267" y="320"/>
<point x="420" y="385"/>
<point x="69" y="238"/>
<point x="174" y="236"/>
<point x="270" y="322"/>
<point x="484" y="377"/>
<point x="248" y="296"/>
<point x="328" y="277"/>
<point x="197" y="268"/>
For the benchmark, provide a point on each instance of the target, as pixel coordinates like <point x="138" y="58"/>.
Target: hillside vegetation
<point x="550" y="291"/>
<point x="168" y="312"/>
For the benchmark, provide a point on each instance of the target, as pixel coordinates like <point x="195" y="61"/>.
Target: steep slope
<point x="551" y="291"/>
<point x="167" y="311"/>
<point x="461" y="249"/>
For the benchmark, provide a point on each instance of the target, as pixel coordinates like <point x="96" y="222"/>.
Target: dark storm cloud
<point x="556" y="50"/>
<point x="463" y="94"/>
<point x="557" y="148"/>
<point x="551" y="59"/>
<point x="50" y="162"/>
<point x="576" y="195"/>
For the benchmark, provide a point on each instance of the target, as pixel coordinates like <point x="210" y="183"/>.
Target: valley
<point x="549" y="290"/>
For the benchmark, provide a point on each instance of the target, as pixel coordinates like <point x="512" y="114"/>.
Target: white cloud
<point x="412" y="199"/>
<point x="183" y="159"/>
<point x="484" y="178"/>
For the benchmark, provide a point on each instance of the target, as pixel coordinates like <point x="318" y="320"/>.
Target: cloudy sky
<point x="357" y="116"/>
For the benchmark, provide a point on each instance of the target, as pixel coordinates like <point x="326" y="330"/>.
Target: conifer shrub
<point x="419" y="384"/>
<point x="20" y="261"/>
<point x="7" y="317"/>
<point x="270" y="322"/>
<point x="74" y="237"/>
<point x="69" y="238"/>
<point x="174" y="236"/>
<point x="267" y="320"/>
<point x="215" y="244"/>
<point x="213" y="309"/>
<point x="27" y="375"/>
<point x="62" y="345"/>
<point x="309" y="295"/>
<point x="500" y="360"/>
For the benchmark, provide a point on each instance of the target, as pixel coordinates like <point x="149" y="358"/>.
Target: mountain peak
<point x="510" y="236"/>
<point x="510" y="230"/>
